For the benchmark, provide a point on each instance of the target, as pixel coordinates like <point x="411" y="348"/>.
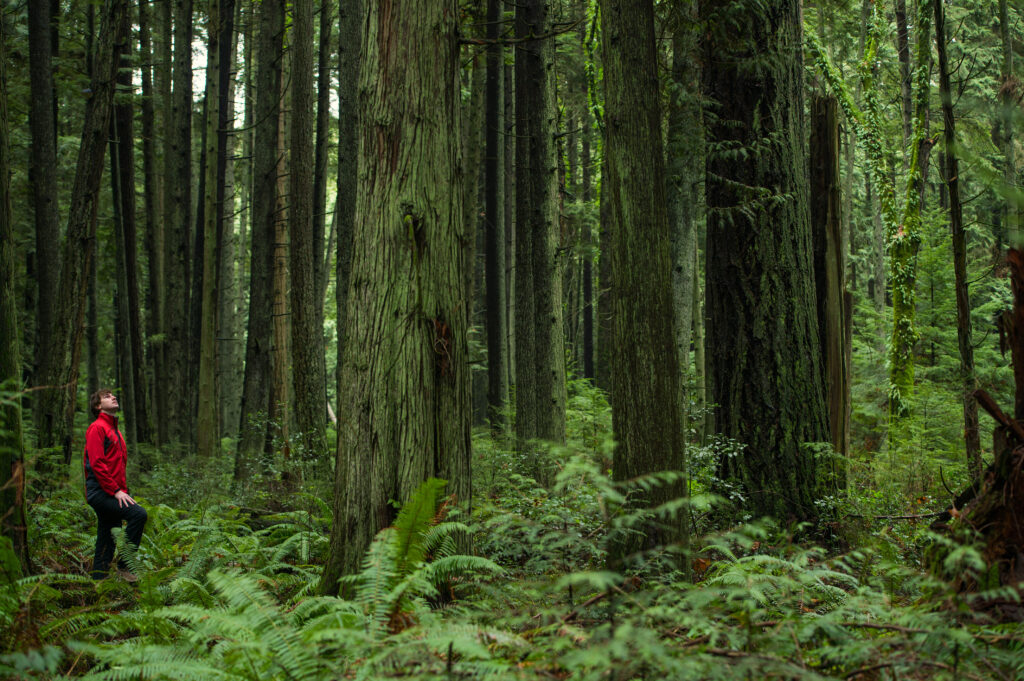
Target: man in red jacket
<point x="106" y="486"/>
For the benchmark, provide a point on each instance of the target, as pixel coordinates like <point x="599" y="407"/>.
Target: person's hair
<point x="94" y="400"/>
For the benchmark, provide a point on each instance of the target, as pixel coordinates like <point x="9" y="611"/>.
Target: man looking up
<point x="106" y="486"/>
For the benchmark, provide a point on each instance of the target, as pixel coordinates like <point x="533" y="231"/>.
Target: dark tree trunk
<point x="307" y="346"/>
<point x="256" y="408"/>
<point x="540" y="360"/>
<point x="951" y="172"/>
<point x="903" y="54"/>
<point x="829" y="269"/>
<point x="349" y="47"/>
<point x="12" y="451"/>
<point x="405" y="384"/>
<point x="178" y="228"/>
<point x="43" y="176"/>
<point x="323" y="136"/>
<point x="763" y="346"/>
<point x="646" y="411"/>
<point x="494" y="214"/>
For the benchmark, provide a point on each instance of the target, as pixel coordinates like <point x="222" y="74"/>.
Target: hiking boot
<point x="127" y="576"/>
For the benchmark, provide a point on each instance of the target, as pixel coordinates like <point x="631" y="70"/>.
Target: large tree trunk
<point x="307" y="346"/>
<point x="405" y="385"/>
<point x="1009" y="98"/>
<point x="256" y="408"/>
<point x="323" y="137"/>
<point x="951" y="172"/>
<point x="12" y="451"/>
<point x="829" y="271"/>
<point x="646" y="410"/>
<point x="177" y="229"/>
<point x="43" y="176"/>
<point x="494" y="214"/>
<point x="762" y="324"/>
<point x="60" y="369"/>
<point x="540" y="360"/>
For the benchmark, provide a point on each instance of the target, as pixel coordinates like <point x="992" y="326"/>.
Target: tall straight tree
<point x="43" y="174"/>
<point x="1009" y="95"/>
<point x="12" y="450"/>
<point x="59" y="371"/>
<point x="258" y="348"/>
<point x="323" y="137"/>
<point x="540" y="359"/>
<point x="762" y="335"/>
<point x="494" y="220"/>
<point x="177" y="228"/>
<point x="405" y="379"/>
<point x="307" y="346"/>
<point x="646" y="410"/>
<point x="951" y="176"/>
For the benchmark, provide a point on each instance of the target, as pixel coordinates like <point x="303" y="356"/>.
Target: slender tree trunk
<point x="60" y="371"/>
<point x="494" y="214"/>
<point x="903" y="55"/>
<point x="323" y="138"/>
<point x="405" y="383"/>
<point x="1009" y="99"/>
<point x="829" y="268"/>
<point x="122" y="336"/>
<point x="43" y="175"/>
<point x="508" y="84"/>
<point x="951" y="172"/>
<point x="281" y="385"/>
<point x="540" y="359"/>
<point x="646" y="410"/>
<point x="13" y="522"/>
<point x="685" y="175"/>
<point x="349" y="47"/>
<point x="177" y="226"/>
<point x="603" y="369"/>
<point x="762" y="324"/>
<point x="307" y="347"/>
<point x="256" y="407"/>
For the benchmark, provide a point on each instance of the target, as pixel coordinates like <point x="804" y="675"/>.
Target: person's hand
<point x="123" y="498"/>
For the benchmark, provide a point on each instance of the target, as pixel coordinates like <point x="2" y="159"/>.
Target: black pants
<point x="108" y="516"/>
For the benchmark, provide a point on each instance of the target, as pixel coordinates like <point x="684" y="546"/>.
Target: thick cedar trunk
<point x="43" y="175"/>
<point x="12" y="452"/>
<point x="349" y="42"/>
<point x="603" y="354"/>
<point x="307" y="344"/>
<point x="405" y="384"/>
<point x="763" y="345"/>
<point x="540" y="360"/>
<point x="510" y="218"/>
<point x="951" y="173"/>
<point x="177" y="226"/>
<point x="60" y="369"/>
<point x="829" y="268"/>
<point x="256" y="407"/>
<point x="494" y="222"/>
<point x="646" y="411"/>
<point x="281" y="385"/>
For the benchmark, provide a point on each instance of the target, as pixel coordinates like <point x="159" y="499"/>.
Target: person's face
<point x="108" y="403"/>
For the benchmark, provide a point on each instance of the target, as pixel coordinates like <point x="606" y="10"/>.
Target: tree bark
<point x="178" y="228"/>
<point x="829" y="269"/>
<point x="256" y="407"/>
<point x="646" y="410"/>
<point x="540" y="359"/>
<point x="494" y="223"/>
<point x="307" y="346"/>
<point x="43" y="176"/>
<point x="13" y="522"/>
<point x="1009" y="99"/>
<point x="323" y="138"/>
<point x="951" y="172"/>
<point x="405" y="385"/>
<point x="763" y="344"/>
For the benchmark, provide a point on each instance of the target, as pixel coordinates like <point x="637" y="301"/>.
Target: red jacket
<point x="104" y="457"/>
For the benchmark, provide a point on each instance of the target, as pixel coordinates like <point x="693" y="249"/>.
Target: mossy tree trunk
<point x="763" y="346"/>
<point x="646" y="412"/>
<point x="404" y="391"/>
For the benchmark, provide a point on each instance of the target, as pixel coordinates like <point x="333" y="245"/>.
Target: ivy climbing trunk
<point x="763" y="346"/>
<point x="404" y="391"/>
